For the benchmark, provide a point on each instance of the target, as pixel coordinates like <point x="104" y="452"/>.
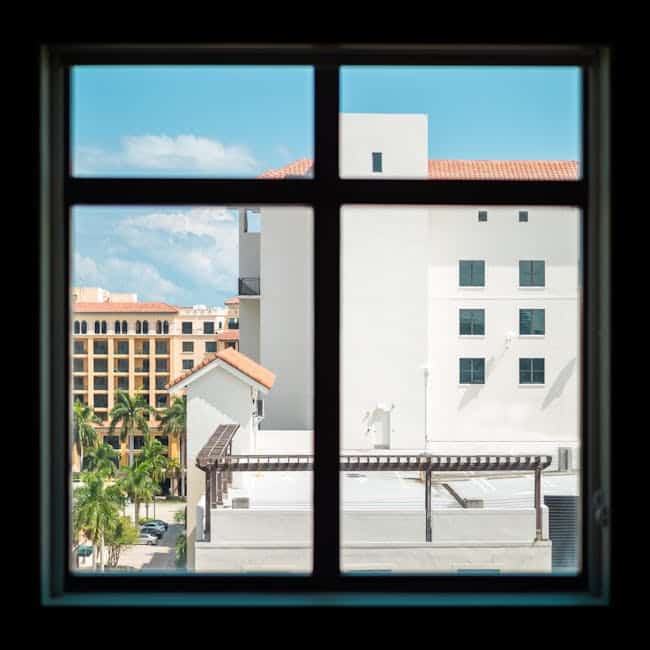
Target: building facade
<point x="119" y="343"/>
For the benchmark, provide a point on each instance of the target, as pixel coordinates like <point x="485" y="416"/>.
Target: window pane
<point x="461" y="123"/>
<point x="185" y="121"/>
<point x="410" y="384"/>
<point x="182" y="266"/>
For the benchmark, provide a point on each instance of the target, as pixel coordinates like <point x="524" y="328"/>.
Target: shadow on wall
<point x="472" y="391"/>
<point x="559" y="384"/>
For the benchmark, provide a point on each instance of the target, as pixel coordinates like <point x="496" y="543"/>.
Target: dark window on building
<point x="100" y="365"/>
<point x="162" y="347"/>
<point x="81" y="399"/>
<point x="104" y="327"/>
<point x="531" y="371"/>
<point x="101" y="401"/>
<point x="118" y="329"/>
<point x="79" y="347"/>
<point x="231" y="344"/>
<point x="84" y="327"/>
<point x="78" y="365"/>
<point x="164" y="440"/>
<point x="186" y="327"/>
<point x="113" y="441"/>
<point x="531" y="322"/>
<point x="137" y="442"/>
<point x="100" y="383"/>
<point x="143" y="366"/>
<point x="233" y="323"/>
<point x="523" y="215"/>
<point x="121" y="365"/>
<point x="208" y="327"/>
<point x="166" y="327"/>
<point x="220" y="325"/>
<point x="77" y="327"/>
<point x="100" y="347"/>
<point x="145" y="348"/>
<point x="123" y="383"/>
<point x="472" y="322"/>
<point x="161" y="365"/>
<point x="161" y="382"/>
<point x="188" y="364"/>
<point x="471" y="273"/>
<point x="125" y="329"/>
<point x="531" y="273"/>
<point x="188" y="346"/>
<point x="377" y="161"/>
<point x="158" y="327"/>
<point x="161" y="400"/>
<point x="145" y="327"/>
<point x="122" y="347"/>
<point x="138" y="327"/>
<point x="482" y="215"/>
<point x="79" y="383"/>
<point x="210" y="346"/>
<point x="472" y="371"/>
<point x="97" y="327"/>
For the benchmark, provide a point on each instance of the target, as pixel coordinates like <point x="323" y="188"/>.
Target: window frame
<point x="326" y="193"/>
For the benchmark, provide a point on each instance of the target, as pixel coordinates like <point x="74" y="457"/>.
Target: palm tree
<point x="130" y="414"/>
<point x="135" y="481"/>
<point x="83" y="430"/>
<point x="174" y="469"/>
<point x="174" y="422"/>
<point x="102" y="460"/>
<point x="96" y="510"/>
<point x="154" y="457"/>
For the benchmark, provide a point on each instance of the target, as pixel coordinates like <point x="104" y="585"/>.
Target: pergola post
<point x="229" y="470"/>
<point x="538" y="505"/>
<point x="219" y="489"/>
<point x="213" y="487"/>
<point x="208" y="500"/>
<point x="427" y="503"/>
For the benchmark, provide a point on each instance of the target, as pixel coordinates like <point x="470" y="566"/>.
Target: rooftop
<point x="228" y="335"/>
<point x="123" y="308"/>
<point x="517" y="170"/>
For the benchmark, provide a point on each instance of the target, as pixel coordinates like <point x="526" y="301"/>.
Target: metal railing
<point x="249" y="286"/>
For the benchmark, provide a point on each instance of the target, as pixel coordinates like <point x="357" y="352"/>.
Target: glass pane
<point x="182" y="266"/>
<point x="538" y="321"/>
<point x="191" y="121"/>
<point x="432" y="391"/>
<point x="461" y="123"/>
<point x="524" y="321"/>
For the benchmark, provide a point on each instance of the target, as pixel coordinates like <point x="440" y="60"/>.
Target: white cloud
<point x="85" y="271"/>
<point x="182" y="153"/>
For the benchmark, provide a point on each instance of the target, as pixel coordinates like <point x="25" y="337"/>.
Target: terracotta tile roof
<point x="228" y="335"/>
<point x="519" y="170"/>
<point x="298" y="168"/>
<point x="231" y="301"/>
<point x="123" y="307"/>
<point x="236" y="360"/>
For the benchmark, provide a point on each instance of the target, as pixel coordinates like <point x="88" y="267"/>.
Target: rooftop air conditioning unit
<point x="564" y="459"/>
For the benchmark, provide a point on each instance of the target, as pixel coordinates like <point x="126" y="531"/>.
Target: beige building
<point x="120" y="343"/>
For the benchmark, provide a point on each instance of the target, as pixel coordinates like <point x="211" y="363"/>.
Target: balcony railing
<point x="249" y="286"/>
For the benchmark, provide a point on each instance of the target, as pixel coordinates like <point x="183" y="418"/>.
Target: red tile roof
<point x="228" y="335"/>
<point x="123" y="307"/>
<point x="236" y="360"/>
<point x="231" y="301"/>
<point x="516" y="170"/>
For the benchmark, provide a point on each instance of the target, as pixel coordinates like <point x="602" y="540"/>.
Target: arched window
<point x="84" y="327"/>
<point x="96" y="327"/>
<point x="125" y="329"/>
<point x="166" y="327"/>
<point x="158" y="327"/>
<point x="117" y="327"/>
<point x="138" y="327"/>
<point x="76" y="327"/>
<point x="104" y="327"/>
<point x="220" y="324"/>
<point x="145" y="327"/>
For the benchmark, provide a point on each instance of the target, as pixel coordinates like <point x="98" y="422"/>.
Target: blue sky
<point x="240" y="121"/>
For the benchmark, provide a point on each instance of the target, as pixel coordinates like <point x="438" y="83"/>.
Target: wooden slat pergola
<point x="216" y="460"/>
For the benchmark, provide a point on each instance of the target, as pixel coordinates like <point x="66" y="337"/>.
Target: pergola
<point x="218" y="463"/>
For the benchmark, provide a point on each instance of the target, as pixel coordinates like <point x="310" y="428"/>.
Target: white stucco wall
<point x="249" y="327"/>
<point x="401" y="139"/>
<point x="287" y="315"/>
<point x="249" y="249"/>
<point x="213" y="399"/>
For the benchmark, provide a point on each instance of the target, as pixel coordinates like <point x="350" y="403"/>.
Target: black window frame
<point x="532" y="274"/>
<point x="207" y="326"/>
<point x="326" y="192"/>
<point x="472" y="321"/>
<point x="187" y="347"/>
<point x="211" y="344"/>
<point x="472" y="272"/>
<point x="532" y="310"/>
<point x="532" y="371"/>
<point x="184" y="329"/>
<point x="187" y="364"/>
<point x="377" y="162"/>
<point x="472" y="371"/>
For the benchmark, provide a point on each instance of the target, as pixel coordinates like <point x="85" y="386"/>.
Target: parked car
<point x="158" y="531"/>
<point x="145" y="538"/>
<point x="158" y="522"/>
<point x="153" y="524"/>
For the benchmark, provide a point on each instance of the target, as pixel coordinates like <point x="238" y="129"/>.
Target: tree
<point x="174" y="469"/>
<point x="154" y="458"/>
<point x="123" y="534"/>
<point x="135" y="481"/>
<point x="130" y="414"/>
<point x="173" y="421"/>
<point x="84" y="433"/>
<point x="96" y="510"/>
<point x="102" y="460"/>
<point x="181" y="550"/>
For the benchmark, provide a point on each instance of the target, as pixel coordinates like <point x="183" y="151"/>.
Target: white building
<point x="402" y="305"/>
